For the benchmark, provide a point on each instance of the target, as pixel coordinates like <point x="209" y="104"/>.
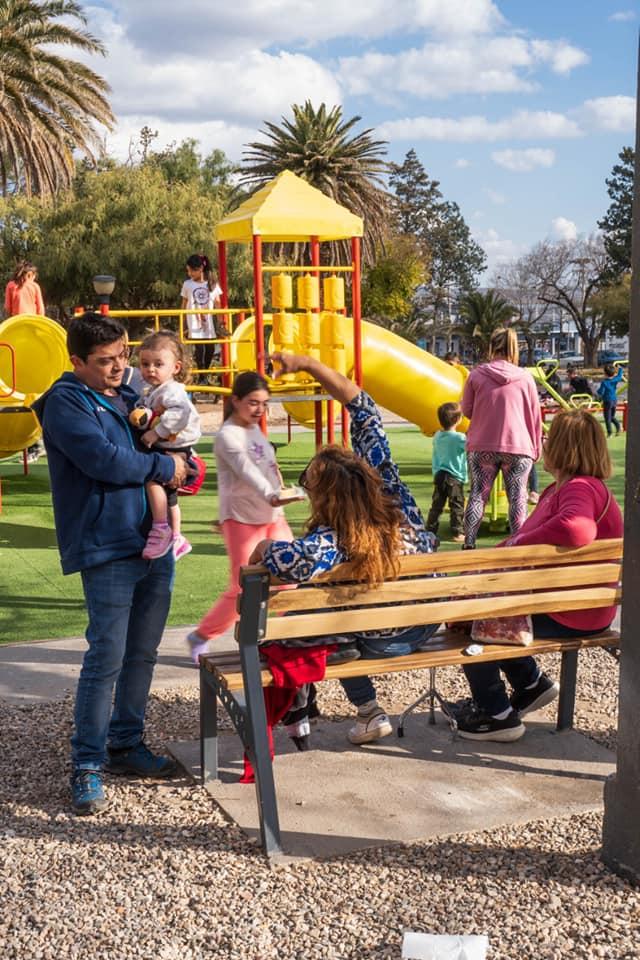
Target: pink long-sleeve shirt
<point x="581" y="511"/>
<point x="501" y="401"/>
<point x="23" y="299"/>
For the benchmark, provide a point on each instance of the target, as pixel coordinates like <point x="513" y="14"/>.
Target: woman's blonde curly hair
<point x="347" y="495"/>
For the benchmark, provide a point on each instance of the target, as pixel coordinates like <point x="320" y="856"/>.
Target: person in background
<point x="23" y="293"/>
<point x="575" y="510"/>
<point x="449" y="468"/>
<point x="578" y="383"/>
<point x="501" y="401"/>
<point x="97" y="487"/>
<point x="249" y="487"/>
<point x="24" y="296"/>
<point x="452" y="357"/>
<point x="201" y="292"/>
<point x="607" y="391"/>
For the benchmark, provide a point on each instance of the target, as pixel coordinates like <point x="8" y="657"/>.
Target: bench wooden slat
<point x="382" y="618"/>
<point x="486" y="558"/>
<point x="445" y="650"/>
<point x="406" y="591"/>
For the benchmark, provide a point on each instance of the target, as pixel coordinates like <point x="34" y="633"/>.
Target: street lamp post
<point x="104" y="285"/>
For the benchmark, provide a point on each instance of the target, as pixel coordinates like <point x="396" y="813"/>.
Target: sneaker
<point x="197" y="645"/>
<point x="344" y="653"/>
<point x="140" y="761"/>
<point x="181" y="547"/>
<point x="87" y="792"/>
<point x="526" y="701"/>
<point x="159" y="542"/>
<point x="477" y="725"/>
<point x="533" y="497"/>
<point x="370" y="728"/>
<point x="458" y="538"/>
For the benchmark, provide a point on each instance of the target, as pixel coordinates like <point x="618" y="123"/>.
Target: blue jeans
<point x="487" y="687"/>
<point x="360" y="690"/>
<point x="127" y="603"/>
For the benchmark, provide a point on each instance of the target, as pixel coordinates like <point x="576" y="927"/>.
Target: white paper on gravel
<point x="436" y="946"/>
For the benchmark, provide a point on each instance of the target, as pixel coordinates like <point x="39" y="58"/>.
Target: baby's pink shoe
<point x="181" y="547"/>
<point x="159" y="541"/>
<point x="197" y="645"/>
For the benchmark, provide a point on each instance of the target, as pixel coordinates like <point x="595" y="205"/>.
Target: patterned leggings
<point x="483" y="470"/>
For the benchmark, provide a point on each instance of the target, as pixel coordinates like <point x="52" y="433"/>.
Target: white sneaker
<point x="370" y="728"/>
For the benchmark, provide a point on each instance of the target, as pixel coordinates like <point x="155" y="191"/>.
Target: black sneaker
<point x="477" y="725"/>
<point x="526" y="701"/>
<point x="343" y="654"/>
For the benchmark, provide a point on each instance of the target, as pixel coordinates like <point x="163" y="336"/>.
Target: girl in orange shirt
<point x="23" y="294"/>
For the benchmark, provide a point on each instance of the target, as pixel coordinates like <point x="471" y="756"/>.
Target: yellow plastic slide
<point x="399" y="375"/>
<point x="39" y="350"/>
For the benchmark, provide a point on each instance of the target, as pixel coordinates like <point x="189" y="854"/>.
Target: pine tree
<point x="616" y="223"/>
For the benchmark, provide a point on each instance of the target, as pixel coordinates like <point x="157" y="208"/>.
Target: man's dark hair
<point x="91" y="330"/>
<point x="449" y="414"/>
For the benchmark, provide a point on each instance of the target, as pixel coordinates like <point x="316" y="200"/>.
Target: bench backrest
<point x="491" y="581"/>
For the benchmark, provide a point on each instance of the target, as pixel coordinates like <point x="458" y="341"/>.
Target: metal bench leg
<point x="208" y="727"/>
<point x="431" y="694"/>
<point x="251" y="627"/>
<point x="567" y="701"/>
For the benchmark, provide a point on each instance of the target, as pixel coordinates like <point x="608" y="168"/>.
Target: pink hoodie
<point x="502" y="403"/>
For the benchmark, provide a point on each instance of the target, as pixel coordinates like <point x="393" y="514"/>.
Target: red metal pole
<point x="357" y="317"/>
<point x="222" y="270"/>
<point x="317" y="407"/>
<point x="104" y="309"/>
<point x="259" y="314"/>
<point x="345" y="427"/>
<point x="331" y="427"/>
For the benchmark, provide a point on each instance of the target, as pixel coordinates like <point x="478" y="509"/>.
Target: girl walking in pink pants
<point x="249" y="488"/>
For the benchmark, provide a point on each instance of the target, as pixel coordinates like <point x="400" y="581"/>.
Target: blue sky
<point x="519" y="109"/>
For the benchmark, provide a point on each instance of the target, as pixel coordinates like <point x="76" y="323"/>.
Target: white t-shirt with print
<point x="200" y="297"/>
<point x="247" y="475"/>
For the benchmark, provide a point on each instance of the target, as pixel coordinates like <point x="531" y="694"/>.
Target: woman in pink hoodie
<point x="572" y="512"/>
<point x="501" y="401"/>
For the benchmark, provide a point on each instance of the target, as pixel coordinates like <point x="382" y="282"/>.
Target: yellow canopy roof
<point x="286" y="210"/>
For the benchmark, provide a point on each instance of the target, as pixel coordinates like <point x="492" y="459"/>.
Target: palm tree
<point x="48" y="103"/>
<point x="481" y="314"/>
<point x="317" y="146"/>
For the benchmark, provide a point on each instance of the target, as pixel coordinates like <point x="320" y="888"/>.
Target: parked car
<point x="608" y="356"/>
<point x="565" y="358"/>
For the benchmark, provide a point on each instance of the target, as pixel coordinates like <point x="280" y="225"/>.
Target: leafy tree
<point x="455" y="259"/>
<point x="616" y="223"/>
<point x="49" y="103"/>
<point x="318" y="145"/>
<point x="568" y="274"/>
<point x="481" y="314"/>
<point x="122" y="221"/>
<point x="613" y="304"/>
<point x="389" y="287"/>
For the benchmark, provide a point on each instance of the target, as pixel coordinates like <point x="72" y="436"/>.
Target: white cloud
<point x="462" y="164"/>
<point x="524" y="161"/>
<point x="213" y="28"/>
<point x="495" y="196"/>
<point x="564" y="229"/>
<point x="202" y="91"/>
<point x="615" y="114"/>
<point x="499" y="64"/>
<point x="212" y="134"/>
<point x="522" y="125"/>
<point x="623" y="16"/>
<point x="499" y="249"/>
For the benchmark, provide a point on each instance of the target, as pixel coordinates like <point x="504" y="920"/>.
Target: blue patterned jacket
<point x="319" y="550"/>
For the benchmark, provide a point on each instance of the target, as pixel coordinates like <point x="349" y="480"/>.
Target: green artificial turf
<point x="37" y="602"/>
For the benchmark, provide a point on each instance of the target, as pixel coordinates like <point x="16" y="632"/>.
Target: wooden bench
<point x="472" y="584"/>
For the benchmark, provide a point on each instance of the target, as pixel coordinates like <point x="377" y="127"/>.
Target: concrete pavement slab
<point x="337" y="798"/>
<point x="48" y="669"/>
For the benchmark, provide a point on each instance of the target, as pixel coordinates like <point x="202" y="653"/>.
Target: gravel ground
<point x="163" y="875"/>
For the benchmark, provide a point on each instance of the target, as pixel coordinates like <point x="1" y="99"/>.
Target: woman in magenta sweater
<point x="574" y="511"/>
<point x="501" y="401"/>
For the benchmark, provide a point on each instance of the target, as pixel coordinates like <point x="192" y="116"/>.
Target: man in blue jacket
<point x="102" y="519"/>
